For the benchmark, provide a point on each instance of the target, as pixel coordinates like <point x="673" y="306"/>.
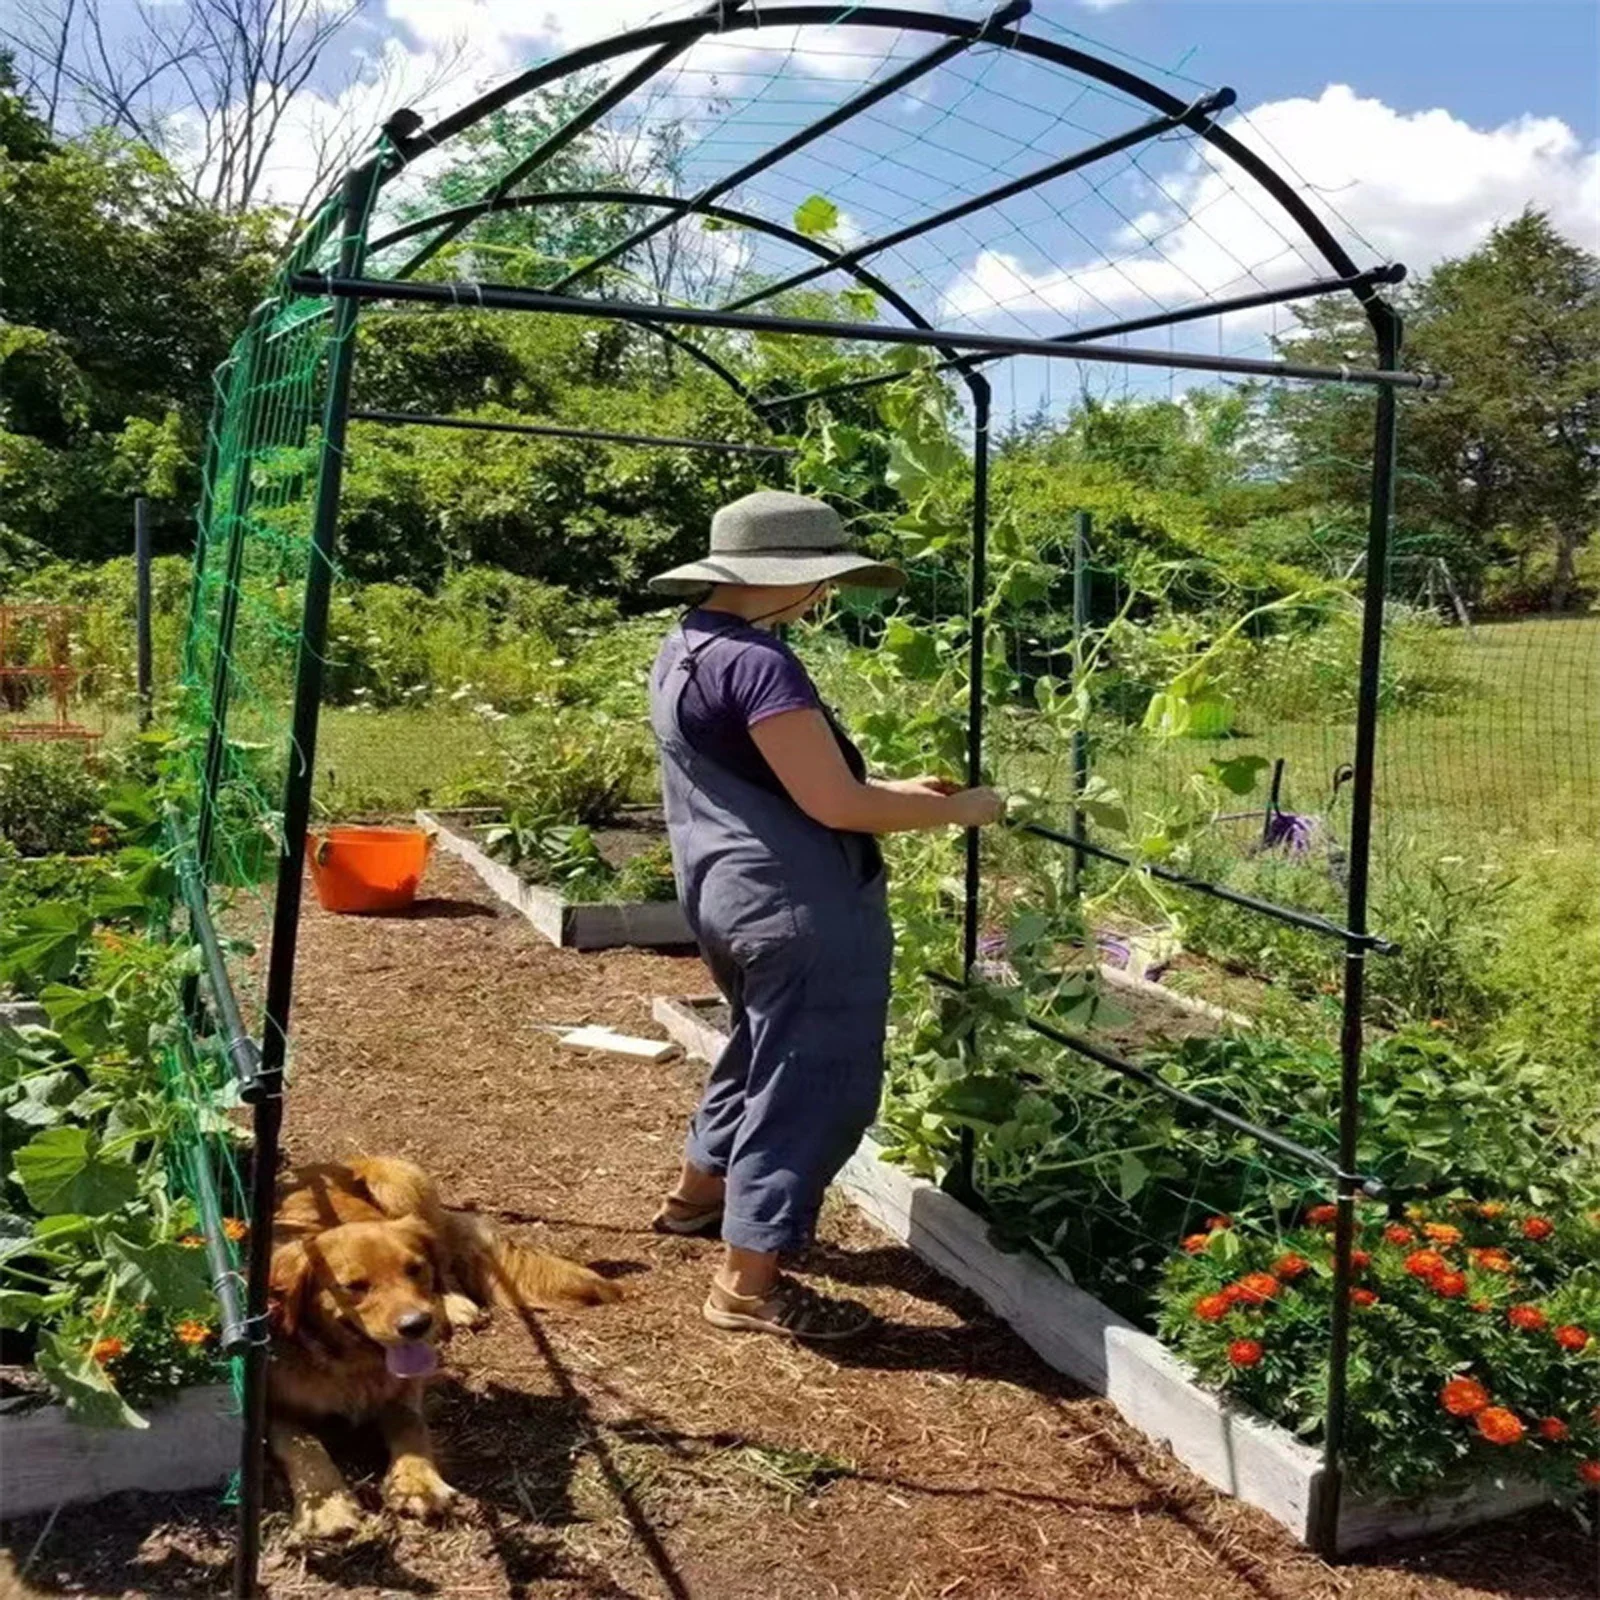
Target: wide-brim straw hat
<point x="771" y="538"/>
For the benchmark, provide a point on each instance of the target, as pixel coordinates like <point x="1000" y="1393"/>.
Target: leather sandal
<point x="790" y="1310"/>
<point x="688" y="1219"/>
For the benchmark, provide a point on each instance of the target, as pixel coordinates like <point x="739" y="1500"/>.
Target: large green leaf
<point x="83" y="1017"/>
<point x="82" y="1384"/>
<point x="165" y="1275"/>
<point x="42" y="945"/>
<point x="59" y="1171"/>
<point x="19" y="1308"/>
<point x="41" y="1098"/>
<point x="816" y="216"/>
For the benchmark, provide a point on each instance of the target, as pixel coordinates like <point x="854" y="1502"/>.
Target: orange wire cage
<point x="24" y="626"/>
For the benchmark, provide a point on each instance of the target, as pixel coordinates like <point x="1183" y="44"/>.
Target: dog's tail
<point x="494" y="1271"/>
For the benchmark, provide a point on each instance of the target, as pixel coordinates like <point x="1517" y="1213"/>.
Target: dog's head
<point x="373" y="1281"/>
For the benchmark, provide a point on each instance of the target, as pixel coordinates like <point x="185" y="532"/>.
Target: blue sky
<point x="1421" y="123"/>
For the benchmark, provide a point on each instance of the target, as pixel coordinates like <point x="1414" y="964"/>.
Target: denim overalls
<point x="792" y="920"/>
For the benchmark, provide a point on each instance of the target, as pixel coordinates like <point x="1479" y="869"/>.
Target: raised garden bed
<point x="601" y="925"/>
<point x="48" y="1460"/>
<point x="1229" y="1446"/>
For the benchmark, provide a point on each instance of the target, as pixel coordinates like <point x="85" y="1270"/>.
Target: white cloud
<point x="1419" y="186"/>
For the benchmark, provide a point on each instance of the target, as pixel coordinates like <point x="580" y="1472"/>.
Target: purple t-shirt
<point x="740" y="675"/>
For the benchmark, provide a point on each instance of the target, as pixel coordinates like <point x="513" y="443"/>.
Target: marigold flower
<point x="1196" y="1242"/>
<point x="1589" y="1473"/>
<point x="1571" y="1337"/>
<point x="193" y="1241"/>
<point x="1442" y="1232"/>
<point x="1321" y="1216"/>
<point x="1481" y="1306"/>
<point x="1490" y="1209"/>
<point x="1216" y="1224"/>
<point x="234" y="1228"/>
<point x="1399" y="1233"/>
<point x="1553" y="1429"/>
<point x="1424" y="1263"/>
<point x="1230" y="1293"/>
<point x="1493" y="1259"/>
<point x="1529" y="1318"/>
<point x="1257" y="1288"/>
<point x="1538" y="1228"/>
<point x="1363" y="1298"/>
<point x="1360" y="1259"/>
<point x="1463" y="1397"/>
<point x="192" y="1333"/>
<point x="1500" y="1426"/>
<point x="1212" y="1307"/>
<point x="104" y="1350"/>
<point x="1245" y="1352"/>
<point x="1290" y="1266"/>
<point x="1452" y="1285"/>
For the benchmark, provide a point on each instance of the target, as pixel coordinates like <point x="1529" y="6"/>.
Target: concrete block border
<point x="48" y="1460"/>
<point x="601" y="926"/>
<point x="1229" y="1446"/>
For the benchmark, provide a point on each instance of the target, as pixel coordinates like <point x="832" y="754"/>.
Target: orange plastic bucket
<point x="367" y="870"/>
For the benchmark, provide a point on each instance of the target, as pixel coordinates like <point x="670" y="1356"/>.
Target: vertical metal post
<point x="1080" y="736"/>
<point x="977" y="623"/>
<point x="141" y="609"/>
<point x="359" y="186"/>
<point x="1350" y="1038"/>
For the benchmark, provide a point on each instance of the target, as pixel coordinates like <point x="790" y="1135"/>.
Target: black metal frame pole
<point x="887" y="86"/>
<point x="1079" y="743"/>
<point x="507" y="297"/>
<point x="1381" y="515"/>
<point x="1360" y="281"/>
<point x="1039" y="176"/>
<point x="143" y="685"/>
<point x="359" y="187"/>
<point x="977" y="648"/>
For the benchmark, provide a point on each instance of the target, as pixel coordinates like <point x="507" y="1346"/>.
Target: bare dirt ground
<point x="633" y="1452"/>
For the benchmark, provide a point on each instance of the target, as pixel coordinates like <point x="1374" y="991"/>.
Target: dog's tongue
<point x="411" y="1360"/>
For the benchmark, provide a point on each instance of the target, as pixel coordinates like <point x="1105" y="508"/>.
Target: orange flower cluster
<point x="1290" y="1266"/>
<point x="1442" y="1233"/>
<point x="192" y="1333"/>
<point x="104" y="1350"/>
<point x="234" y="1229"/>
<point x="1322" y="1216"/>
<point x="1537" y="1228"/>
<point x="1399" y="1233"/>
<point x="1500" y="1426"/>
<point x="1493" y="1259"/>
<point x="1245" y="1352"/>
<point x="1571" y="1337"/>
<point x="1464" y="1397"/>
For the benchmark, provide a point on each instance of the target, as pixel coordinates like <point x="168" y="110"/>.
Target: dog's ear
<point x="289" y="1288"/>
<point x="420" y="1232"/>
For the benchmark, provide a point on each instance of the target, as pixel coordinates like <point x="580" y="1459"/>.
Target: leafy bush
<point x="572" y="767"/>
<point x="49" y="799"/>
<point x="1476" y="1341"/>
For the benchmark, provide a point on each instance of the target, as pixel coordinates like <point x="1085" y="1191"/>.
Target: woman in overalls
<point x="772" y="819"/>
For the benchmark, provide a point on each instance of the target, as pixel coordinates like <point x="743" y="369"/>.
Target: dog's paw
<point x="331" y="1520"/>
<point x="461" y="1312"/>
<point x="414" y="1488"/>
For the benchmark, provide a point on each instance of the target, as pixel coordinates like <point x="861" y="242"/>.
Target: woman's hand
<point x="923" y="785"/>
<point x="975" y="808"/>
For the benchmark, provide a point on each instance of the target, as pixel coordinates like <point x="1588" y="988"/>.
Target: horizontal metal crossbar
<point x="505" y="297"/>
<point x="1193" y="1102"/>
<point x="547" y="430"/>
<point x="243" y="1054"/>
<point x="1203" y="108"/>
<point x="1356" y="282"/>
<point x="1308" y="920"/>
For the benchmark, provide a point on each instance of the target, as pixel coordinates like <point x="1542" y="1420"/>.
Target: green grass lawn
<point x="1514" y="755"/>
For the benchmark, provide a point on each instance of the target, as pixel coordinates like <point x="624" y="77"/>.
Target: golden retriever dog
<point x="371" y="1272"/>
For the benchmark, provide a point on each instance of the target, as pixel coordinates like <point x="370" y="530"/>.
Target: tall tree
<point x="1503" y="467"/>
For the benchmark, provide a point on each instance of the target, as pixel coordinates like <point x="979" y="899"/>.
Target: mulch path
<point x="633" y="1452"/>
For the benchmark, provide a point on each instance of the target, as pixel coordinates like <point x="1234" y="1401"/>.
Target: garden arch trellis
<point x="276" y="451"/>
